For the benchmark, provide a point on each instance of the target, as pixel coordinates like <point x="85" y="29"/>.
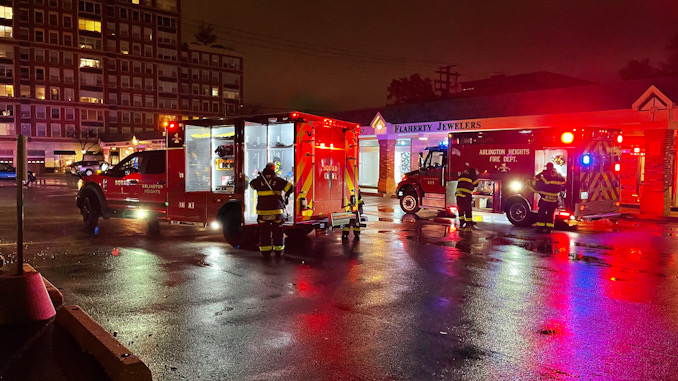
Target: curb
<point x="118" y="362"/>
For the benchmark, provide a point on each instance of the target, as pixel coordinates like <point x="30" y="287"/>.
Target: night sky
<point x="286" y="43"/>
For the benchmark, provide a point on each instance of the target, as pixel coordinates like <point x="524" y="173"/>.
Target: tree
<point x="205" y="34"/>
<point x="411" y="90"/>
<point x="638" y="70"/>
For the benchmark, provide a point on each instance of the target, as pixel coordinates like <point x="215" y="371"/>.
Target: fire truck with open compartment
<point x="507" y="160"/>
<point x="202" y="177"/>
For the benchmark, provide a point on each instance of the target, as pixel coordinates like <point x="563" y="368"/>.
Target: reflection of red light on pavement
<point x="115" y="251"/>
<point x="613" y="279"/>
<point x="304" y="286"/>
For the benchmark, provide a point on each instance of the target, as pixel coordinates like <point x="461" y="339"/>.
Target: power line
<point x="298" y="47"/>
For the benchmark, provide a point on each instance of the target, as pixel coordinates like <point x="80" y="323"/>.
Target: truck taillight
<point x="403" y="177"/>
<point x="620" y="139"/>
<point x="617" y="167"/>
<point x="567" y="137"/>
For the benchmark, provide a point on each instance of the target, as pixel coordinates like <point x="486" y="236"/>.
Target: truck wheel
<point x="519" y="214"/>
<point x="410" y="203"/>
<point x="238" y="235"/>
<point x="153" y="228"/>
<point x="90" y="213"/>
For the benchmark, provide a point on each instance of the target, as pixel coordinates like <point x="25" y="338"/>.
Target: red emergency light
<point x="620" y="139"/>
<point x="617" y="167"/>
<point x="567" y="137"/>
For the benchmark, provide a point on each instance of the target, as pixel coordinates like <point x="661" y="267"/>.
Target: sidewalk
<point x="69" y="346"/>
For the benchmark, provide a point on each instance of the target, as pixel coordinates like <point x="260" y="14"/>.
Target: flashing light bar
<point x="586" y="159"/>
<point x="567" y="137"/>
<point x="617" y="167"/>
<point x="620" y="139"/>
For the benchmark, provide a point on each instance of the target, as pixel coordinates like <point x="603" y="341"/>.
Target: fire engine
<point x="507" y="160"/>
<point x="203" y="175"/>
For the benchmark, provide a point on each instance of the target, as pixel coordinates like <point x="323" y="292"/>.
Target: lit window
<point x="5" y="31"/>
<point x="89" y="25"/>
<point x="215" y="91"/>
<point x="6" y="13"/>
<point x="90" y="62"/>
<point x="40" y="92"/>
<point x="135" y="1"/>
<point x="6" y="90"/>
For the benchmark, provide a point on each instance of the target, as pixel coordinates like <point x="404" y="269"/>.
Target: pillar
<point x="387" y="182"/>
<point x="655" y="197"/>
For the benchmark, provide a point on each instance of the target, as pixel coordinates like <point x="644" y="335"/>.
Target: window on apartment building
<point x="124" y="30"/>
<point x="124" y="81"/>
<point x="6" y="91"/>
<point x="8" y="110"/>
<point x="112" y="81"/>
<point x="23" y="14"/>
<point x="89" y="42"/>
<point x="137" y="118"/>
<point x="136" y="67"/>
<point x="5" y="31"/>
<point x="90" y="62"/>
<point x="136" y="32"/>
<point x="41" y="129"/>
<point x="7" y="129"/>
<point x="91" y="96"/>
<point x="68" y="21"/>
<point x="6" y="71"/>
<point x="124" y="99"/>
<point x="70" y="130"/>
<point x="111" y="46"/>
<point x="148" y="84"/>
<point x="40" y="112"/>
<point x="24" y="72"/>
<point x="53" y="56"/>
<point x="69" y="94"/>
<point x="89" y="7"/>
<point x="26" y="129"/>
<point x="148" y="51"/>
<point x="53" y="3"/>
<point x="138" y="100"/>
<point x="113" y="116"/>
<point x="39" y="17"/>
<point x="55" y="93"/>
<point x="68" y="58"/>
<point x="215" y="107"/>
<point x="69" y="113"/>
<point x="25" y="91"/>
<point x="125" y="117"/>
<point x="53" y="19"/>
<point x="137" y="83"/>
<point x="54" y="37"/>
<point x="124" y="65"/>
<point x="149" y="101"/>
<point x="39" y="35"/>
<point x="40" y="73"/>
<point x="26" y="111"/>
<point x="39" y="55"/>
<point x="89" y="25"/>
<point x="56" y="130"/>
<point x="55" y="112"/>
<point x="54" y="74"/>
<point x="149" y="118"/>
<point x="69" y="79"/>
<point x="123" y="13"/>
<point x="68" y="39"/>
<point x="136" y="16"/>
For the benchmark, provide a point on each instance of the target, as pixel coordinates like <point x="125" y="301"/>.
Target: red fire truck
<point x="202" y="177"/>
<point x="588" y="158"/>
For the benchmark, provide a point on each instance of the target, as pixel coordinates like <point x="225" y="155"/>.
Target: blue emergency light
<point x="586" y="159"/>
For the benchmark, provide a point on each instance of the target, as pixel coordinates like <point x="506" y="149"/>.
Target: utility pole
<point x="444" y="86"/>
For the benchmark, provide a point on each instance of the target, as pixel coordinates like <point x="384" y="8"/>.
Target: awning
<point x="56" y="152"/>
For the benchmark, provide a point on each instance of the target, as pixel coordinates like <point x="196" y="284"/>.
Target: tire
<point x="519" y="214"/>
<point x="235" y="233"/>
<point x="90" y="213"/>
<point x="153" y="228"/>
<point x="409" y="203"/>
<point x="88" y="172"/>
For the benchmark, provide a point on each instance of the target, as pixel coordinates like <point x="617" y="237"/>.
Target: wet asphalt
<point x="413" y="299"/>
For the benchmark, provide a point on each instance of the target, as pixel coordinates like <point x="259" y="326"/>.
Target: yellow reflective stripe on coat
<point x="287" y="187"/>
<point x="269" y="193"/>
<point x="465" y="179"/>
<point x="555" y="182"/>
<point x="548" y="194"/>
<point x="464" y="190"/>
<point x="269" y="212"/>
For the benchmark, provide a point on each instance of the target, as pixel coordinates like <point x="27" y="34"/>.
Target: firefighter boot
<point x="344" y="232"/>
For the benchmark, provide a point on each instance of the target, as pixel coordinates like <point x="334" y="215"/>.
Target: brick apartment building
<point x="74" y="71"/>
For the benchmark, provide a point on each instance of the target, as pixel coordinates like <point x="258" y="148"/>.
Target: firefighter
<point x="468" y="180"/>
<point x="271" y="209"/>
<point x="355" y="223"/>
<point x="549" y="183"/>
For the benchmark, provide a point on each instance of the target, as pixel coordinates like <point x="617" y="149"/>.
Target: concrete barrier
<point x="118" y="362"/>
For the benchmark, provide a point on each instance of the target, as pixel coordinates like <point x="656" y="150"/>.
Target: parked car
<point x="7" y="172"/>
<point x="86" y="167"/>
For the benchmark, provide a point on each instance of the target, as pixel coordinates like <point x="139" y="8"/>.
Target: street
<point x="413" y="299"/>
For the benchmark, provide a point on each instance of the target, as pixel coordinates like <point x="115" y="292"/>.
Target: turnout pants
<point x="346" y="229"/>
<point x="464" y="204"/>
<point x="271" y="236"/>
<point x="545" y="214"/>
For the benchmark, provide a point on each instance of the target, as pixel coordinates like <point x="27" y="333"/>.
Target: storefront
<point x="644" y="110"/>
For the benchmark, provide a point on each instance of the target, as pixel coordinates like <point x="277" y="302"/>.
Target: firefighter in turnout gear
<point x="355" y="223"/>
<point x="549" y="183"/>
<point x="271" y="209"/>
<point x="468" y="180"/>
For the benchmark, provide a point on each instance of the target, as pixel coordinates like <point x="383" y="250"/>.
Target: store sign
<point x="494" y="158"/>
<point x="446" y="126"/>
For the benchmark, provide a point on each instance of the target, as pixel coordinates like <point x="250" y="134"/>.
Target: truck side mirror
<point x="421" y="160"/>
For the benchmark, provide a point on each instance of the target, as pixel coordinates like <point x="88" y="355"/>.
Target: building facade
<point x="644" y="110"/>
<point x="72" y="71"/>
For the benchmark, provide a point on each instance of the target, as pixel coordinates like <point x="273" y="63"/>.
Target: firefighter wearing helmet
<point x="271" y="209"/>
<point x="548" y="183"/>
<point x="468" y="180"/>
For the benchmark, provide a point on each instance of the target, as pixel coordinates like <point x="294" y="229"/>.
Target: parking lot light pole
<point x="20" y="178"/>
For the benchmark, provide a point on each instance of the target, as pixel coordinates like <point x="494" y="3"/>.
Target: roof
<point x="590" y="98"/>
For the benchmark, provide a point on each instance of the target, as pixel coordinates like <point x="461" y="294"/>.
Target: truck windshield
<point x="434" y="159"/>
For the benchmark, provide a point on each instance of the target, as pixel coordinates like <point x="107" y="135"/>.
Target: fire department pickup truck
<point x="202" y="177"/>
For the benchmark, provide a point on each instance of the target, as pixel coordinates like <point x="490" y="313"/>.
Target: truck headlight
<point x="141" y="213"/>
<point x="215" y="225"/>
<point x="516" y="186"/>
